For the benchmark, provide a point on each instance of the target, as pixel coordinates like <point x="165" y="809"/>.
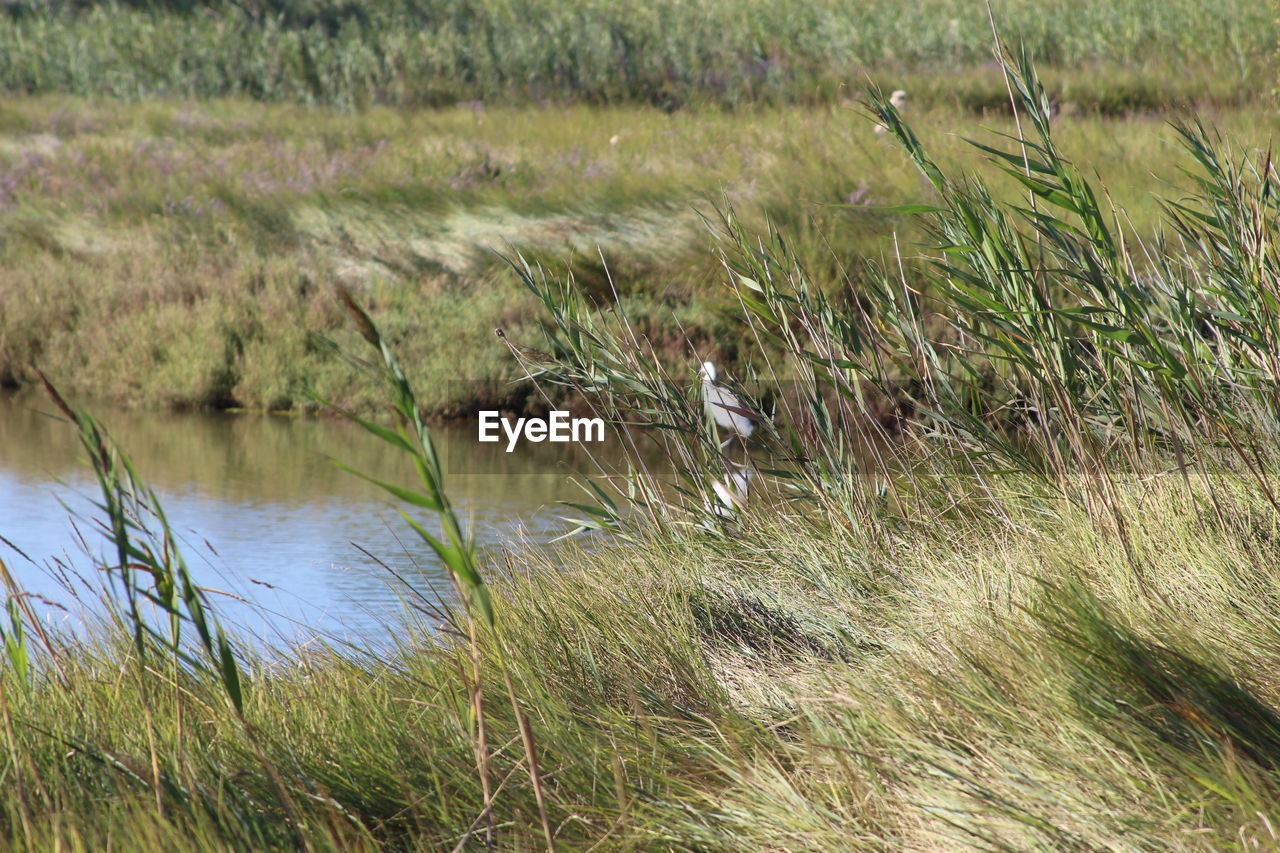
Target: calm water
<point x="265" y="514"/>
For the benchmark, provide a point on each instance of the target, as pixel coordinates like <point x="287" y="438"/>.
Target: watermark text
<point x="558" y="427"/>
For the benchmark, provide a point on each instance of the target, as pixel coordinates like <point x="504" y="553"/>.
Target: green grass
<point x="214" y="233"/>
<point x="216" y="169"/>
<point x="950" y="684"/>
<point x="672" y="53"/>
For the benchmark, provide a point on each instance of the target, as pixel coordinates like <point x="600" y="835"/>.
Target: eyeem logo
<point x="558" y="427"/>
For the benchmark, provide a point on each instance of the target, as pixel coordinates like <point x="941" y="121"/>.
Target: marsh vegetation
<point x="1005" y="580"/>
<point x="215" y="232"/>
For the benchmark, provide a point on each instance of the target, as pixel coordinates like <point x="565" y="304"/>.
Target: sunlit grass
<point x="215" y="231"/>
<point x="799" y="686"/>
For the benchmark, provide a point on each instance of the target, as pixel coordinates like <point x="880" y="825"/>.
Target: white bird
<point x="732" y="490"/>
<point x="725" y="408"/>
<point x="898" y="100"/>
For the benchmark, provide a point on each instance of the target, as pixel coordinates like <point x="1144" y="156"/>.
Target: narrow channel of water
<point x="265" y="514"/>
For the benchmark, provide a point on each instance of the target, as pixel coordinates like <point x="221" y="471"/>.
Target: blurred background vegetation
<point x="668" y="53"/>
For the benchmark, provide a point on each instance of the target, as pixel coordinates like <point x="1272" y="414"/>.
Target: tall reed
<point x="1042" y="336"/>
<point x="457" y="550"/>
<point x="150" y="569"/>
<point x="415" y="52"/>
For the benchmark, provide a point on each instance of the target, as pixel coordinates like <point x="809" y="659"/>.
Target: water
<point x="263" y="512"/>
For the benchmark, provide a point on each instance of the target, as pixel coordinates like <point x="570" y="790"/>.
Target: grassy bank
<point x="179" y="254"/>
<point x="808" y="686"/>
<point x="669" y="54"/>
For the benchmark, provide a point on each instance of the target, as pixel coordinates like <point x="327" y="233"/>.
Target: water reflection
<point x="263" y="511"/>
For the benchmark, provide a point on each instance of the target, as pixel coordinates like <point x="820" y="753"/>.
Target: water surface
<point x="265" y="514"/>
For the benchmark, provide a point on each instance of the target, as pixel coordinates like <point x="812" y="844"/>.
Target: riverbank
<point x="936" y="681"/>
<point x="171" y="254"/>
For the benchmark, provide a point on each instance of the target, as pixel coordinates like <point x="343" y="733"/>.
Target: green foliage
<point x="215" y="232"/>
<point x="1045" y="335"/>
<point x="458" y="550"/>
<point x="150" y="567"/>
<point x="16" y="648"/>
<point x="668" y="53"/>
<point x="954" y="683"/>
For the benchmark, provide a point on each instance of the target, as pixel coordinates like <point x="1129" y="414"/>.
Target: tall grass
<point x="149" y="588"/>
<point x="1043" y="336"/>
<point x="150" y="568"/>
<point x="807" y="682"/>
<point x="1103" y="346"/>
<point x="457" y="550"/>
<point x="668" y="53"/>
